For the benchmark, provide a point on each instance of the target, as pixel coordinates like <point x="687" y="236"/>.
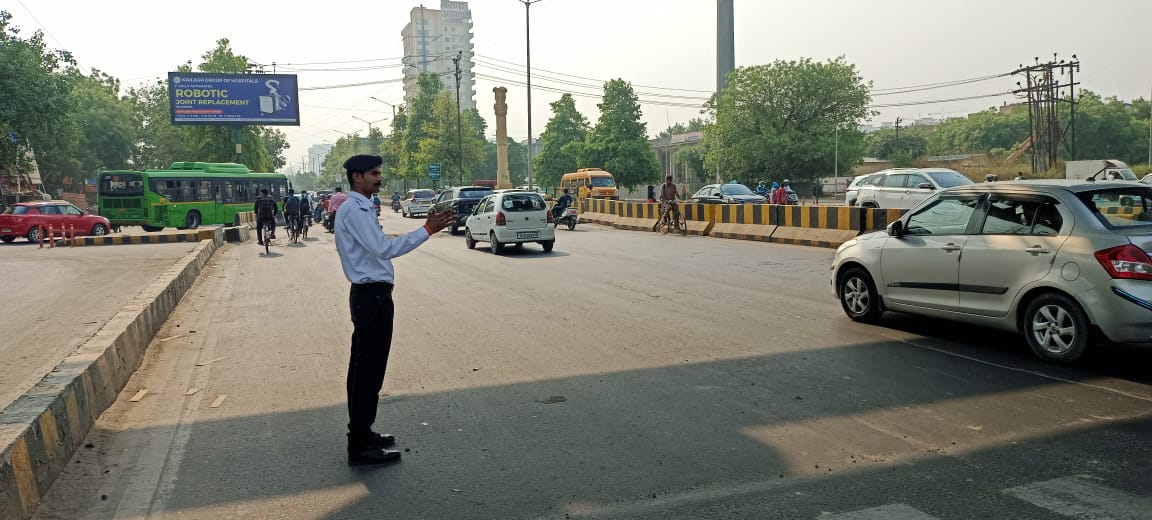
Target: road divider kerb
<point x="42" y="429"/>
<point x="164" y="237"/>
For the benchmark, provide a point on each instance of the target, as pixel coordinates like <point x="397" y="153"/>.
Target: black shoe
<point x="372" y="439"/>
<point x="367" y="455"/>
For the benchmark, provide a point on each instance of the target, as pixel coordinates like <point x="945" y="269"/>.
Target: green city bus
<point x="184" y="196"/>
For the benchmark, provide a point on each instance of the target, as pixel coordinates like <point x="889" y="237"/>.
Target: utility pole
<point x="725" y="52"/>
<point x="528" y="52"/>
<point x="896" y="148"/>
<point x="459" y="138"/>
<point x="1044" y="86"/>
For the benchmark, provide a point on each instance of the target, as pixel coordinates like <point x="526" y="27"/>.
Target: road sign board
<point x="434" y="171"/>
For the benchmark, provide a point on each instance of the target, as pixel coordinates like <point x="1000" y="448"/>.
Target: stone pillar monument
<point x="503" y="180"/>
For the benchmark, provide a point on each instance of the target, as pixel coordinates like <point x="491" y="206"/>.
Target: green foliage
<point x="692" y="157"/>
<point x="37" y="111"/>
<point x="695" y="124"/>
<point x="1108" y="128"/>
<point x="159" y="142"/>
<point x="442" y="146"/>
<point x="517" y="161"/>
<point x="421" y="118"/>
<point x="619" y="142"/>
<point x="107" y="130"/>
<point x="884" y="144"/>
<point x="562" y="142"/>
<point x="979" y="133"/>
<point x="780" y="120"/>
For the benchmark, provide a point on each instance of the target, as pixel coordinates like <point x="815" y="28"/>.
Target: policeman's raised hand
<point x="438" y="220"/>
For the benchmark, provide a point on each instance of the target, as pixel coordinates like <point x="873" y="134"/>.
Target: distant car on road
<point x="731" y="193"/>
<point x="510" y="217"/>
<point x="1043" y="258"/>
<point x="903" y="188"/>
<point x="416" y="202"/>
<point x="31" y="220"/>
<point x="462" y="199"/>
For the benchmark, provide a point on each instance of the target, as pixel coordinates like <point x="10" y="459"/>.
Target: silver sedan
<point x="1061" y="262"/>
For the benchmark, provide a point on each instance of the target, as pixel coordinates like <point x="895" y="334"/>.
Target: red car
<point x="32" y="219"/>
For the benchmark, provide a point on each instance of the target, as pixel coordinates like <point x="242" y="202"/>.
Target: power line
<point x="347" y="85"/>
<point x="943" y="84"/>
<point x="935" y="101"/>
<point x="534" y="69"/>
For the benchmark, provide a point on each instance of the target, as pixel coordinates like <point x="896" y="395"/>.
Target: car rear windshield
<point x="735" y="189"/>
<point x="474" y="193"/>
<point x="16" y="210"/>
<point x="423" y="194"/>
<point x="949" y="179"/>
<point x="1120" y="208"/>
<point x="523" y="202"/>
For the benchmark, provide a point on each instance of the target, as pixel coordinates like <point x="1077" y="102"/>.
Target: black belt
<point x="373" y="287"/>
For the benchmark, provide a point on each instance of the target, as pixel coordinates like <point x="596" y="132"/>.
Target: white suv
<point x="510" y="217"/>
<point x="902" y="188"/>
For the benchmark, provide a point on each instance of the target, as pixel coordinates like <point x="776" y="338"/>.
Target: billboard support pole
<point x="239" y="145"/>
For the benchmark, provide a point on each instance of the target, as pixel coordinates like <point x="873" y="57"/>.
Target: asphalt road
<point x="624" y="375"/>
<point x="55" y="299"/>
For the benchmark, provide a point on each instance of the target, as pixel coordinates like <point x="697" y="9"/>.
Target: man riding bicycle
<point x="668" y="197"/>
<point x="292" y="213"/>
<point x="265" y="209"/>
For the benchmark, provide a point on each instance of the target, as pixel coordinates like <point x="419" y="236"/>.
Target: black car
<point x="462" y="199"/>
<point x="726" y="194"/>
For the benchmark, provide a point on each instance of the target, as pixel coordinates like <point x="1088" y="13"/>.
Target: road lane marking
<point x="1082" y="498"/>
<point x="1022" y="370"/>
<point x="139" y="395"/>
<point x="219" y="401"/>
<point x="888" y="512"/>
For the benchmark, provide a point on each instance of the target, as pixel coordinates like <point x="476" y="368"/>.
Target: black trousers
<point x="260" y="223"/>
<point x="372" y="313"/>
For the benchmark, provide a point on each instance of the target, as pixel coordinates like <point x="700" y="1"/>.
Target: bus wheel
<point x="152" y="229"/>
<point x="192" y="221"/>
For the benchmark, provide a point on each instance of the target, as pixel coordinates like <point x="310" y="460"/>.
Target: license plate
<point x="528" y="234"/>
<point x="6" y="230"/>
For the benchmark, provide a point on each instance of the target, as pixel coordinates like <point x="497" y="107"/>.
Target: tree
<point x="619" y="143"/>
<point x="216" y="143"/>
<point x="780" y="120"/>
<point x="695" y="124"/>
<point x="979" y="133"/>
<point x="275" y="142"/>
<point x="159" y="143"/>
<point x="692" y="157"/>
<point x="37" y="112"/>
<point x="562" y="142"/>
<point x="517" y="161"/>
<point x="107" y="132"/>
<point x="1108" y="128"/>
<point x="421" y="119"/>
<point x="443" y="146"/>
<point x="884" y="144"/>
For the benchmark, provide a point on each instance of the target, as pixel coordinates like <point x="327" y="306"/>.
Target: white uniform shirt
<point x="365" y="251"/>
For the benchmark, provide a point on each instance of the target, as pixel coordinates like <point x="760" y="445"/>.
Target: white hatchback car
<point x="510" y="217"/>
<point x="903" y="188"/>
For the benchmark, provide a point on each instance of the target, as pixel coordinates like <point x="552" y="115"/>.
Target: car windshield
<point x="603" y="182"/>
<point x="735" y="189"/>
<point x="474" y="193"/>
<point x="523" y="202"/>
<point x="423" y="194"/>
<point x="1120" y="208"/>
<point x="16" y="210"/>
<point x="948" y="179"/>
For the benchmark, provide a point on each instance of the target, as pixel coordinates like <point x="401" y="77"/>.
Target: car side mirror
<point x="896" y="229"/>
<point x="926" y="186"/>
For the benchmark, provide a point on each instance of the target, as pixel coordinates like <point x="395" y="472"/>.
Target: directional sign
<point x="434" y="171"/>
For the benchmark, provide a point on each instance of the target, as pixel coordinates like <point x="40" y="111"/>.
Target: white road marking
<point x="1084" y="499"/>
<point x="888" y="512"/>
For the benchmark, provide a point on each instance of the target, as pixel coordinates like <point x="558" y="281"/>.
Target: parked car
<point x="510" y="217"/>
<point x="1035" y="257"/>
<point x="462" y="199"/>
<point x="1147" y="179"/>
<point x="904" y="188"/>
<point x="32" y="220"/>
<point x="853" y="188"/>
<point x="731" y="193"/>
<point x="416" y="202"/>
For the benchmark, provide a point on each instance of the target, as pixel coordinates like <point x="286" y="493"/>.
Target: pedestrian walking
<point x="365" y="256"/>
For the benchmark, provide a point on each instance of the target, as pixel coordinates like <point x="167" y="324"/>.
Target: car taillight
<point x="500" y="219"/>
<point x="549" y="216"/>
<point x="1127" y="261"/>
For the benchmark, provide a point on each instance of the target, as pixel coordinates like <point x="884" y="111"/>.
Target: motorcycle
<point x="569" y="217"/>
<point x="396" y="206"/>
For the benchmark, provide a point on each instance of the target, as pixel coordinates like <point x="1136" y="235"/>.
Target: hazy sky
<point x="657" y="44"/>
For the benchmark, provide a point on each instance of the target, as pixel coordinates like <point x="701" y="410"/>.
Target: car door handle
<point x="950" y="247"/>
<point x="1036" y="250"/>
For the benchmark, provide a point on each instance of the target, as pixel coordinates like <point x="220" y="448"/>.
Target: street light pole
<point x="528" y="52"/>
<point x="370" y="123"/>
<point x="386" y="103"/>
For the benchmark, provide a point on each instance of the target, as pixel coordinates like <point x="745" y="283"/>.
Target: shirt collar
<point x="358" y="196"/>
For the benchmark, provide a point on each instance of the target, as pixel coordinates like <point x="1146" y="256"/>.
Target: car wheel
<point x="454" y="230"/>
<point x="858" y="296"/>
<point x="99" y="230"/>
<point x="192" y="221"/>
<point x="1056" y="328"/>
<point x="494" y="244"/>
<point x="152" y="229"/>
<point x="468" y="240"/>
<point x="548" y="245"/>
<point x="34" y="234"/>
<point x="7" y="240"/>
<point x="403" y="213"/>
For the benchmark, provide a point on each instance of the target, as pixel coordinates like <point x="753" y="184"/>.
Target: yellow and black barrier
<point x="744" y="221"/>
<point x="598" y="211"/>
<point x="819" y="226"/>
<point x="636" y="216"/>
<point x="246" y="219"/>
<point x="163" y="237"/>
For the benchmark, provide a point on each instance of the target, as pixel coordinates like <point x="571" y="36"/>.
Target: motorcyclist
<point x="562" y="203"/>
<point x="376" y="203"/>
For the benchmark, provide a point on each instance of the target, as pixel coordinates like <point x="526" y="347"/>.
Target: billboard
<point x="199" y="98"/>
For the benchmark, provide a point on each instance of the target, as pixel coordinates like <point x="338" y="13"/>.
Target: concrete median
<point x="164" y="237"/>
<point x="744" y="221"/>
<point x="42" y="429"/>
<point x="599" y="211"/>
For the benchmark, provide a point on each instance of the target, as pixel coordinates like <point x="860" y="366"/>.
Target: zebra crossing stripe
<point x="1084" y="499"/>
<point x="888" y="512"/>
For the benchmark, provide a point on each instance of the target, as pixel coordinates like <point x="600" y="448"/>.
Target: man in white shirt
<point x="365" y="255"/>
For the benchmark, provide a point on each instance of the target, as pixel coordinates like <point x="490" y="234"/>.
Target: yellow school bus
<point x="600" y="182"/>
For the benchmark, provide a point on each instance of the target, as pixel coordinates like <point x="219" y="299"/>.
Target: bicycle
<point x="307" y="223"/>
<point x="294" y="229"/>
<point x="667" y="223"/>
<point x="269" y="229"/>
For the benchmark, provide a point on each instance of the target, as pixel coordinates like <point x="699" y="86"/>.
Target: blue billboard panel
<point x="200" y="98"/>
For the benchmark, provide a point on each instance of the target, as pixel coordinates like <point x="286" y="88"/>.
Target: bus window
<point x="204" y="190"/>
<point x="184" y="190"/>
<point x="242" y="191"/>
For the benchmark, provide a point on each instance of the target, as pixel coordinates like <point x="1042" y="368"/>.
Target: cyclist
<point x="292" y="213"/>
<point x="306" y="208"/>
<point x="668" y="204"/>
<point x="265" y="209"/>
